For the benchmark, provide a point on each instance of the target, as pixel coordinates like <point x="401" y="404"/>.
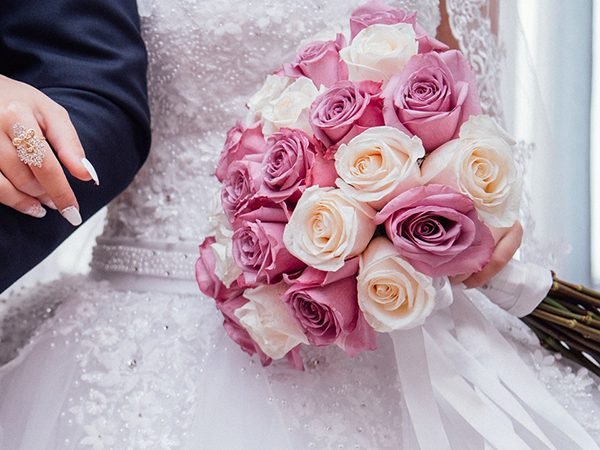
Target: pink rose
<point x="326" y="307"/>
<point x="240" y="142"/>
<point x="320" y="61"/>
<point x="322" y="173"/>
<point x="288" y="158"/>
<point x="432" y="97"/>
<point x="264" y="212"/>
<point x="377" y="12"/>
<point x="209" y="283"/>
<point x="236" y="332"/>
<point x="346" y="110"/>
<point x="437" y="230"/>
<point x="259" y="251"/>
<point x="240" y="186"/>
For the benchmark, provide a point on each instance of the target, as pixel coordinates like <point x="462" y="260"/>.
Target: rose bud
<point x="320" y="61"/>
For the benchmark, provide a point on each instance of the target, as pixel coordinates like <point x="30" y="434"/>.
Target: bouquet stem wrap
<point x="465" y="386"/>
<point x="566" y="321"/>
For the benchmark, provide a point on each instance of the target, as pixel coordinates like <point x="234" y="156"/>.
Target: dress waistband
<point x="146" y="265"/>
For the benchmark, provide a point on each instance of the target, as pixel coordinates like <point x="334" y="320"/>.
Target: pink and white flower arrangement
<point x="363" y="177"/>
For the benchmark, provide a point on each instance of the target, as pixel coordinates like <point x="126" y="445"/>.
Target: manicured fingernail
<point x="37" y="211"/>
<point x="72" y="215"/>
<point x="90" y="168"/>
<point x="50" y="204"/>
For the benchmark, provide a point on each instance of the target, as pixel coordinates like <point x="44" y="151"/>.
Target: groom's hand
<point x="25" y="187"/>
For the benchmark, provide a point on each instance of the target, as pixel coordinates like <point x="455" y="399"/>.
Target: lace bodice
<point x="206" y="59"/>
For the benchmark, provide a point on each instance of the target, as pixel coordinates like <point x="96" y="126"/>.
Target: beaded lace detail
<point x="472" y="26"/>
<point x="128" y="378"/>
<point x="146" y="261"/>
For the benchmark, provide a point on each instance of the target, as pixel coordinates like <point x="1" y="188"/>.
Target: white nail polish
<point x="36" y="211"/>
<point x="72" y="215"/>
<point x="90" y="168"/>
<point x="50" y="204"/>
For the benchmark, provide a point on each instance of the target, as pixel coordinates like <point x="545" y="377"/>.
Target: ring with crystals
<point x="31" y="149"/>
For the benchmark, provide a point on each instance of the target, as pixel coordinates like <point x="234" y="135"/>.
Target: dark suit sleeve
<point x="88" y="56"/>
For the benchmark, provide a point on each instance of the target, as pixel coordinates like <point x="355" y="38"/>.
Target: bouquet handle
<point x="519" y="287"/>
<point x="564" y="316"/>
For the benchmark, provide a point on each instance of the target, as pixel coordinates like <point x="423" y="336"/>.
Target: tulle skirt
<point x="123" y="369"/>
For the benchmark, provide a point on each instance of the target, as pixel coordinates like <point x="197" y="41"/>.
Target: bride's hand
<point x="508" y="241"/>
<point x="25" y="187"/>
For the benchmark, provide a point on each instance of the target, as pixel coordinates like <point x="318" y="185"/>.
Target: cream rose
<point x="225" y="267"/>
<point x="272" y="88"/>
<point x="480" y="164"/>
<point x="380" y="51"/>
<point x="269" y="322"/>
<point x="327" y="227"/>
<point x="290" y="108"/>
<point x="378" y="164"/>
<point x="391" y="294"/>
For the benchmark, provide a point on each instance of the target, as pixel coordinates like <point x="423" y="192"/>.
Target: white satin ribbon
<point x="479" y="375"/>
<point x="417" y="389"/>
<point x="502" y="359"/>
<point x="519" y="287"/>
<point x="466" y="387"/>
<point x="467" y="401"/>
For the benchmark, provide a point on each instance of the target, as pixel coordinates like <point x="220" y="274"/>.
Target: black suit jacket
<point x="88" y="56"/>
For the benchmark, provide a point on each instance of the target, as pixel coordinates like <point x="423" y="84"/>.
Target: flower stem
<point x="578" y="287"/>
<point x="565" y="291"/>
<point x="553" y="340"/>
<point x="571" y="306"/>
<point x="587" y="318"/>
<point x="588" y="332"/>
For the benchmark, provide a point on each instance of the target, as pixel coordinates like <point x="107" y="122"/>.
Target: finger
<point x="505" y="249"/>
<point x="19" y="174"/>
<point x="499" y="233"/>
<point x="13" y="198"/>
<point x="457" y="279"/>
<point x="62" y="136"/>
<point x="50" y="175"/>
<point x="47" y="201"/>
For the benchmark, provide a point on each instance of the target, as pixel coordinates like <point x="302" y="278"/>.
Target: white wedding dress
<point x="133" y="356"/>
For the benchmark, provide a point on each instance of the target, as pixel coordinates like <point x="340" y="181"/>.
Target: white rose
<point x="480" y="164"/>
<point x="380" y="51"/>
<point x="272" y="88"/>
<point x="269" y="322"/>
<point x="391" y="294"/>
<point x="483" y="126"/>
<point x="225" y="267"/>
<point x="378" y="164"/>
<point x="290" y="108"/>
<point x="327" y="227"/>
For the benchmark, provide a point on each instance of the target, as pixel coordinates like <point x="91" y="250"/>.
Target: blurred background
<point x="551" y="94"/>
<point x="595" y="152"/>
<point x="552" y="99"/>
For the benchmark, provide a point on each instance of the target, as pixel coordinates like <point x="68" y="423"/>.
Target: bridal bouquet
<point x="363" y="177"/>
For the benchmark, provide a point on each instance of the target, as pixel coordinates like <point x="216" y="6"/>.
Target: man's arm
<point x="88" y="56"/>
